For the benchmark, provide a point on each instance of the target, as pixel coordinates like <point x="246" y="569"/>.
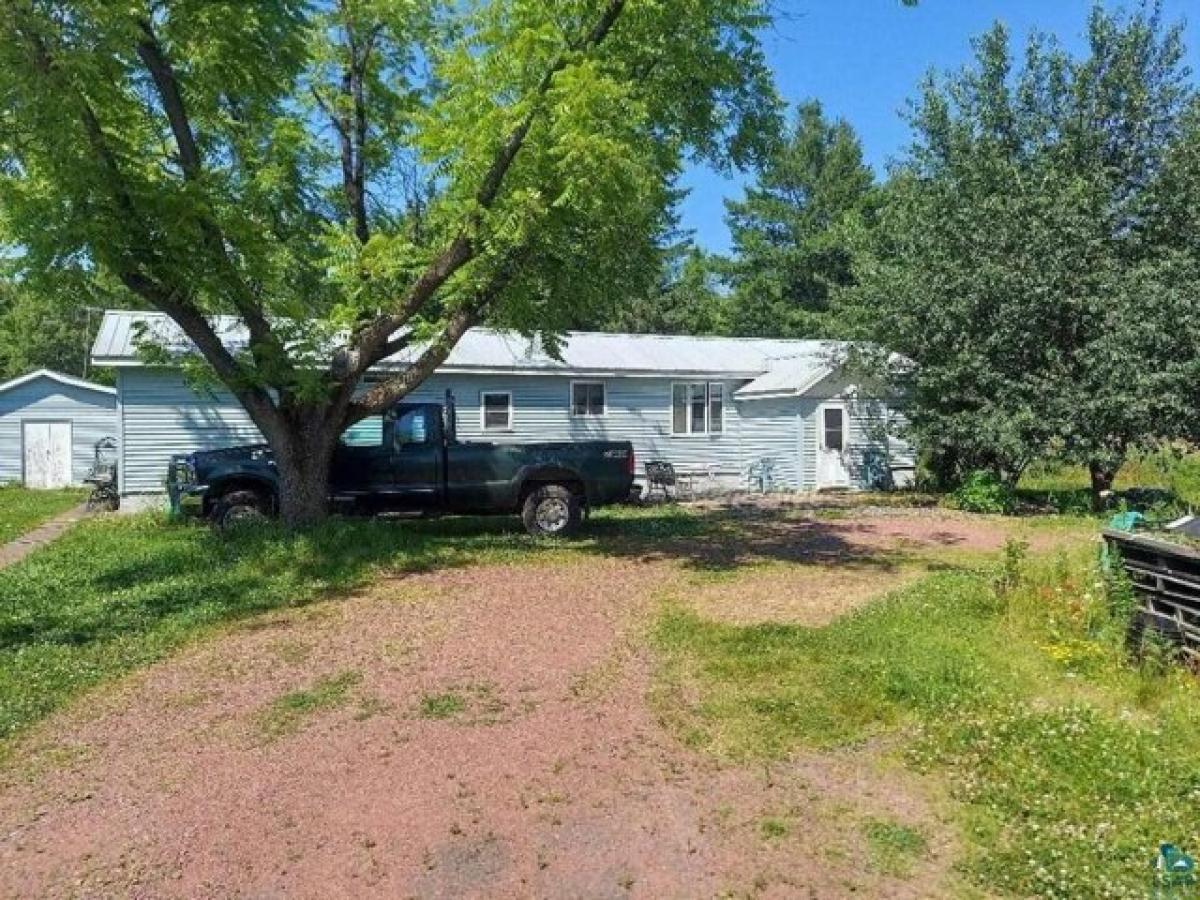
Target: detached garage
<point x="49" y="426"/>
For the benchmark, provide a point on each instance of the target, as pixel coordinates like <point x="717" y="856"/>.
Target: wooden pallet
<point x="1166" y="582"/>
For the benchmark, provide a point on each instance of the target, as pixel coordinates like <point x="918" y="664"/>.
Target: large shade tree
<point x="360" y="178"/>
<point x="1023" y="254"/>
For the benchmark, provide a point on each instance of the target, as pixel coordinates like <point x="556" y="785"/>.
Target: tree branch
<point x="190" y="160"/>
<point x="461" y="249"/>
<point x="186" y="315"/>
<point x="383" y="395"/>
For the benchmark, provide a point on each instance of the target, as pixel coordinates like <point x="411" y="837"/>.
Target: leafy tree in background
<point x="1019" y="259"/>
<point x="791" y="249"/>
<point x="50" y="321"/>
<point x="358" y="178"/>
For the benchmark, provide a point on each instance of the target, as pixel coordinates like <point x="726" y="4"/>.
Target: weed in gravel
<point x="289" y="713"/>
<point x="774" y="828"/>
<point x="894" y="847"/>
<point x="442" y="706"/>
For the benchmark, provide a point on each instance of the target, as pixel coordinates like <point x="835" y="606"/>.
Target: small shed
<point x="49" y="426"/>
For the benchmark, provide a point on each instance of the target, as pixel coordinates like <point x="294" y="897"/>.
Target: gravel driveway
<point x="489" y="731"/>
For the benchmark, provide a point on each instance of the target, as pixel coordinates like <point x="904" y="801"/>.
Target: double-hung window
<point x="495" y="410"/>
<point x="697" y="407"/>
<point x="587" y="398"/>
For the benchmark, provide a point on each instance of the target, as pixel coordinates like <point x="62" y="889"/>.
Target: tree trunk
<point x="303" y="460"/>
<point x="1103" y="474"/>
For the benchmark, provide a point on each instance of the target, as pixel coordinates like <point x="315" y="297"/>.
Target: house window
<point x="495" y="410"/>
<point x="366" y="433"/>
<point x="835" y="428"/>
<point x="587" y="398"/>
<point x="698" y="408"/>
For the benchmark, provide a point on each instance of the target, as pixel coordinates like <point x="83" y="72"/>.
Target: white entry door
<point x="47" y="454"/>
<point x="833" y="430"/>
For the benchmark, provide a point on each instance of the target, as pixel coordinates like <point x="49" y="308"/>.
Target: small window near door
<point x="496" y="410"/>
<point x="587" y="398"/>
<point x="835" y="429"/>
<point x="367" y="433"/>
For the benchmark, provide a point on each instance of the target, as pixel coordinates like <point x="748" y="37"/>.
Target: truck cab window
<point x="367" y="433"/>
<point x="410" y="428"/>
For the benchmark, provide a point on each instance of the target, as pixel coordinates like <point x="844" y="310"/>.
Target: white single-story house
<point x="735" y="413"/>
<point x="49" y="426"/>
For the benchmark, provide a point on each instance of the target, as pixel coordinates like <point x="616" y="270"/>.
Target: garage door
<point x="47" y="454"/>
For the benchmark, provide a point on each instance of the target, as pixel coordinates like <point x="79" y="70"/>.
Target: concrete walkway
<point x="18" y="549"/>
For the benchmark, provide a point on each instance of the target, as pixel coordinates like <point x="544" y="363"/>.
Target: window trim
<point x="603" y="385"/>
<point x="483" y="425"/>
<point x="708" y="431"/>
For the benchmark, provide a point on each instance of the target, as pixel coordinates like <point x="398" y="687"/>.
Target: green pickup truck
<point x="410" y="461"/>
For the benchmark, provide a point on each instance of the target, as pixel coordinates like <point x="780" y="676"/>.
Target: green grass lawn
<point x="21" y="509"/>
<point x="1070" y="765"/>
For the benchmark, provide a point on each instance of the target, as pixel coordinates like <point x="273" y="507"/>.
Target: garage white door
<point x="47" y="454"/>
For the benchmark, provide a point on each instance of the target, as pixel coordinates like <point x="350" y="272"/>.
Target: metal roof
<point x="60" y="378"/>
<point x="795" y="375"/>
<point x="484" y="350"/>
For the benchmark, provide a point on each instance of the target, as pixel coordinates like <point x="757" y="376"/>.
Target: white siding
<point x="92" y="415"/>
<point x="161" y="415"/>
<point x="771" y="438"/>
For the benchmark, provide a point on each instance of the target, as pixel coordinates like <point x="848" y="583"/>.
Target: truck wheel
<point x="552" y="511"/>
<point x="238" y="508"/>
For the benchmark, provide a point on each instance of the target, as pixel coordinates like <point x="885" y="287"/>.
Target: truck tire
<point x="238" y="508"/>
<point x="552" y="511"/>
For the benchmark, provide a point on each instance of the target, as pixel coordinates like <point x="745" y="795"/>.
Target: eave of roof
<point x="60" y="378"/>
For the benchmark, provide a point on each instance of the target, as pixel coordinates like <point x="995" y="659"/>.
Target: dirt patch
<point x="794" y="595"/>
<point x="801" y="566"/>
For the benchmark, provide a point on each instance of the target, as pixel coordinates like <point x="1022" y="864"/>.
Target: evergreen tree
<point x="791" y="248"/>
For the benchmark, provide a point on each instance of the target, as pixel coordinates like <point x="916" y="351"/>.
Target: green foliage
<point x="48" y="317"/>
<point x="1071" y="765"/>
<point x="983" y="492"/>
<point x="22" y="509"/>
<point x="442" y="87"/>
<point x="337" y="173"/>
<point x="791" y="233"/>
<point x="687" y="299"/>
<point x="1022" y="259"/>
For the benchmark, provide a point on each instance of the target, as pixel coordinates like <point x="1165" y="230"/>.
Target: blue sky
<point x="863" y="59"/>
